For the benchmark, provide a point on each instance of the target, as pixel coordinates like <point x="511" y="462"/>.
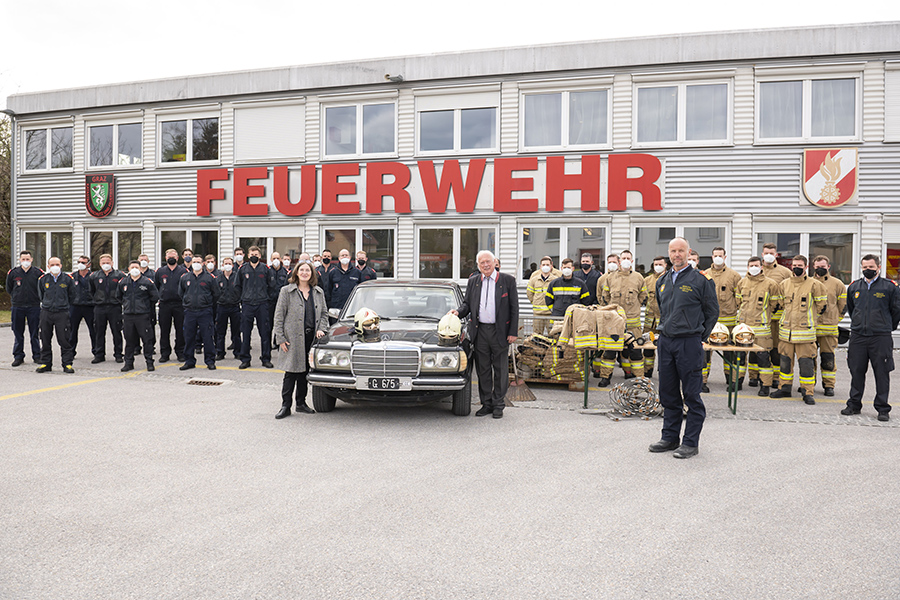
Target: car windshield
<point x="402" y="302"/>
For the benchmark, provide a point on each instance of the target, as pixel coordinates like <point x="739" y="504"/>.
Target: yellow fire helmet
<point x="719" y="335"/>
<point x="449" y="330"/>
<point x="743" y="335"/>
<point x="367" y="324"/>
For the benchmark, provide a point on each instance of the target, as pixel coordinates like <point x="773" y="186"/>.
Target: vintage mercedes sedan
<point x="398" y="359"/>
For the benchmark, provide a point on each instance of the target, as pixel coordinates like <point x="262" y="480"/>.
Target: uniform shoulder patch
<point x="707" y="275"/>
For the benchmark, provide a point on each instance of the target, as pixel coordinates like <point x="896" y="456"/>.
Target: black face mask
<point x="585" y="266"/>
<point x="821" y="271"/>
<point x="360" y="262"/>
<point x="497" y="267"/>
<point x="869" y="273"/>
<point x="325" y="260"/>
<point x="798" y="271"/>
<point x="254" y="259"/>
<point x="171" y="260"/>
<point x="188" y="260"/>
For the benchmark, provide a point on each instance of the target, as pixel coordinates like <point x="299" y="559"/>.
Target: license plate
<point x="384" y="383"/>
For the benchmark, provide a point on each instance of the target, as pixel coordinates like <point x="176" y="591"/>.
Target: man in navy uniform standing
<point x="492" y="301"/>
<point x="57" y="291"/>
<point x="107" y="308"/>
<point x="254" y="286"/>
<point x="366" y="273"/>
<point x="228" y="310"/>
<point x="22" y="285"/>
<point x="339" y="282"/>
<point x="874" y="306"/>
<point x="688" y="309"/>
<point x="199" y="293"/>
<point x="171" y="310"/>
<point x="83" y="305"/>
<point x="139" y="296"/>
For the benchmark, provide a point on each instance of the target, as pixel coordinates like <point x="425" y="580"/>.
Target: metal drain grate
<point x="206" y="382"/>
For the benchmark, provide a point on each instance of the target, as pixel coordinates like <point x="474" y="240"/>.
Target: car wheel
<point x="462" y="401"/>
<point x="322" y="402"/>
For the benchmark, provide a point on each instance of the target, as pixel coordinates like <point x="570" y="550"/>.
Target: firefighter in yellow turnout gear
<point x="727" y="281"/>
<point x="804" y="300"/>
<point x="651" y="310"/>
<point x="758" y="298"/>
<point x="536" y="290"/>
<point x="624" y="287"/>
<point x="827" y="324"/>
<point x="778" y="273"/>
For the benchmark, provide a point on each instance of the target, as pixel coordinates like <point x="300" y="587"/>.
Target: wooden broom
<point x="518" y="391"/>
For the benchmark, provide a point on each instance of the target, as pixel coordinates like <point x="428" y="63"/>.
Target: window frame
<point x="115" y="231"/>
<point x="456" y="227"/>
<point x="565" y="88"/>
<point x="47" y="128"/>
<point x="358" y="243"/>
<point x="852" y="226"/>
<point x="806" y="78"/>
<point x="289" y="102"/>
<point x="681" y="86"/>
<point x="561" y="241"/>
<point x="457" y="99"/>
<point x="188" y="237"/>
<point x="189" y="116"/>
<point x="115" y="123"/>
<point x="68" y="262"/>
<point x="358" y="101"/>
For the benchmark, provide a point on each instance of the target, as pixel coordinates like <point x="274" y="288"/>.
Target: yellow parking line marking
<point x="76" y="383"/>
<point x="248" y="369"/>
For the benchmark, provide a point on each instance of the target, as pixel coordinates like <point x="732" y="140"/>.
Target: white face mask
<point x="227" y="268"/>
<point x="659" y="268"/>
<point x="144" y="264"/>
<point x="106" y="267"/>
<point x="317" y="264"/>
<point x="55" y="269"/>
<point x="197" y="267"/>
<point x="626" y="264"/>
<point x="345" y="261"/>
<point x="82" y="267"/>
<point x="718" y="261"/>
<point x="238" y="258"/>
<point x="545" y="269"/>
<point x="612" y="267"/>
<point x="769" y="258"/>
<point x="135" y="272"/>
<point x="567" y="272"/>
<point x="754" y="270"/>
<point x="276" y="263"/>
<point x="693" y="263"/>
<point x="25" y="264"/>
<point x="210" y="266"/>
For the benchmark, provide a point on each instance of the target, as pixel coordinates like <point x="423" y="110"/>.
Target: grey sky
<point x="56" y="44"/>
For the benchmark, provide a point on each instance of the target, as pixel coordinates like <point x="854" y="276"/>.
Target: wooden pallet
<point x="576" y="385"/>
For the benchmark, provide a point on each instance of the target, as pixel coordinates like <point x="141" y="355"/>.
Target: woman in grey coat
<point x="300" y="315"/>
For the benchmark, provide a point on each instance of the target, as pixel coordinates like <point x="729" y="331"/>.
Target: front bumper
<point x="443" y="383"/>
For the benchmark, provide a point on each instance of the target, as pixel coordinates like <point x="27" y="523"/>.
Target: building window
<point x="55" y="143"/>
<point x="458" y="130"/>
<point x="448" y="253"/>
<point x="378" y="244"/>
<point x="562" y="242"/>
<point x="360" y="129"/>
<point x="201" y="243"/>
<point x="808" y="109"/>
<point x="276" y="131"/>
<point x="650" y="242"/>
<point x="123" y="246"/>
<point x="566" y="119"/>
<point x="838" y="247"/>
<point x="189" y="140"/>
<point x="44" y="244"/>
<point x="683" y="114"/>
<point x="114" y="145"/>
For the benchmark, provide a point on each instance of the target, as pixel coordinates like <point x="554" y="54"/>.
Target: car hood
<point x="396" y="330"/>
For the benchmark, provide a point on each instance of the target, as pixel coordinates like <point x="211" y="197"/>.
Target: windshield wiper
<point x="429" y="317"/>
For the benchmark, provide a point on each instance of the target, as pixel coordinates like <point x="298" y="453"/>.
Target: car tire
<point x="322" y="402"/>
<point x="462" y="401"/>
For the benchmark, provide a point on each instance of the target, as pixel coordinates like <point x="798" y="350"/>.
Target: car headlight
<point x="441" y="361"/>
<point x="336" y="360"/>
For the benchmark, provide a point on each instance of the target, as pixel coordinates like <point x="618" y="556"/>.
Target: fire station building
<point x="729" y="139"/>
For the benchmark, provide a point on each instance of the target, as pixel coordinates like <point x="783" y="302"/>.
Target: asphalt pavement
<point x="139" y="485"/>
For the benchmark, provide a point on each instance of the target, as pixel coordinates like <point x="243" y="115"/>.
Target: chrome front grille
<point x="384" y="360"/>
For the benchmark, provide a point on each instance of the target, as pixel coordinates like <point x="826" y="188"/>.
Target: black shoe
<point x="763" y="390"/>
<point x="98" y="359"/>
<point x="829" y="391"/>
<point x="884" y="417"/>
<point x="753" y="382"/>
<point x="498" y="413"/>
<point x="18" y="362"/>
<point x="182" y="358"/>
<point x="484" y="410"/>
<point x="211" y="367"/>
<point x="68" y="369"/>
<point x="198" y="350"/>
<point x="268" y="364"/>
<point x="236" y="357"/>
<point x="284" y="412"/>
<point x="685" y="451"/>
<point x="44" y="368"/>
<point x="630" y="376"/>
<point x="800" y="390"/>
<point x="244" y="365"/>
<point x="648" y="373"/>
<point x="663" y="446"/>
<point x="603" y="382"/>
<point x="150" y="366"/>
<point x="127" y="367"/>
<point x="120" y="360"/>
<point x="705" y="389"/>
<point x="230" y="347"/>
<point x="186" y="366"/>
<point x="163" y="359"/>
<point x="596" y="374"/>
<point x="784" y="392"/>
<point x="220" y="356"/>
<point x="850" y="411"/>
<point x="304" y="408"/>
<point x="808" y="399"/>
